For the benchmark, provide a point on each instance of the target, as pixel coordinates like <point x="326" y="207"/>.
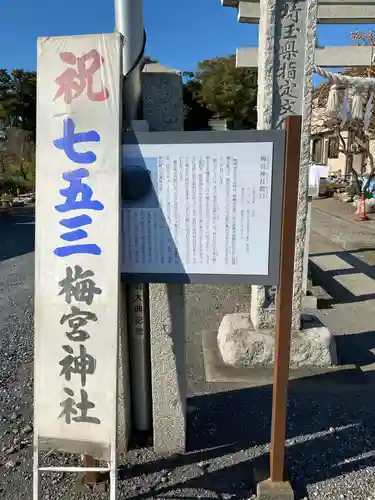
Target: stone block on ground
<point x="241" y="345"/>
<point x="268" y="490"/>
<point x="345" y="197"/>
<point x="309" y="302"/>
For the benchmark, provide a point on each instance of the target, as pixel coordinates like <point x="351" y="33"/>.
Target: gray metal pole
<point x="129" y="22"/>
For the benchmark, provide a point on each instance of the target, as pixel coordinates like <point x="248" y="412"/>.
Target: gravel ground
<point x="331" y="435"/>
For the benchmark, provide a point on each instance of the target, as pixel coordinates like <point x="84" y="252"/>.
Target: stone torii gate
<point x="329" y="11"/>
<point x="285" y="61"/>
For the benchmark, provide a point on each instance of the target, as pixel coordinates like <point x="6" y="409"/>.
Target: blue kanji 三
<point x="78" y="195"/>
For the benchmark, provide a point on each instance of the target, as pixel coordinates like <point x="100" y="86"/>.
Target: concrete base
<point x="268" y="490"/>
<point x="309" y="302"/>
<point x="241" y="345"/>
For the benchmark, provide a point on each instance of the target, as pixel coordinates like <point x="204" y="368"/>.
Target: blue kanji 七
<point x="78" y="195"/>
<point x="70" y="138"/>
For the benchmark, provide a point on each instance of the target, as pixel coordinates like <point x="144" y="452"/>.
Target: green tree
<point x="18" y="100"/>
<point x="196" y="114"/>
<point x="17" y="130"/>
<point x="5" y="92"/>
<point x="17" y="161"/>
<point x="227" y="91"/>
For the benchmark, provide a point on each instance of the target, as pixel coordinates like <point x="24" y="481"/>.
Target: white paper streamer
<point x="357" y="105"/>
<point x="368" y="112"/>
<point x="333" y="102"/>
<point x="345" y="110"/>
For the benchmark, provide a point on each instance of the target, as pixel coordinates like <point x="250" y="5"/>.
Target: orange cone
<point x="362" y="211"/>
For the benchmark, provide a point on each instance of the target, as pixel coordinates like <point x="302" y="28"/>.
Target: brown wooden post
<point x="285" y="297"/>
<point x="91" y="478"/>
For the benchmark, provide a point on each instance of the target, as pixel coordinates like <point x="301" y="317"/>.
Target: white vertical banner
<point x="77" y="242"/>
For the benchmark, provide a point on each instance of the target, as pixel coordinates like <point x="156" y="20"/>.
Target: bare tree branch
<point x="343" y="143"/>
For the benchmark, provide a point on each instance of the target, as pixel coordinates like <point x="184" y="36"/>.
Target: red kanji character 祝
<point x="75" y="80"/>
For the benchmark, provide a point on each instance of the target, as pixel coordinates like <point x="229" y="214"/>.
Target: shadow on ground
<point x="328" y="435"/>
<point x="17" y="234"/>
<point x="358" y="349"/>
<point x="326" y="279"/>
<point x="330" y="429"/>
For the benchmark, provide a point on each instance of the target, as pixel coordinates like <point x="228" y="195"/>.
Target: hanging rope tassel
<point x="345" y="110"/>
<point x="333" y="103"/>
<point x="357" y="105"/>
<point x="368" y="112"/>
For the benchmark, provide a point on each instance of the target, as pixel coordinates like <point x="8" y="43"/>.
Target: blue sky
<point x="180" y="32"/>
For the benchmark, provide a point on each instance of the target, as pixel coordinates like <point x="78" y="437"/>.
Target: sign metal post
<point x="129" y="22"/>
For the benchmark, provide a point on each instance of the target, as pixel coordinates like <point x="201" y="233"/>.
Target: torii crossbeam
<point x="330" y="11"/>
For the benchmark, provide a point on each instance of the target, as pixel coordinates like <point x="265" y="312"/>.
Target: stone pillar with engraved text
<point x="287" y="36"/>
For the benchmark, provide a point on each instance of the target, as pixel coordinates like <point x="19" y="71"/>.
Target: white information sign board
<point x="77" y="243"/>
<point x="196" y="212"/>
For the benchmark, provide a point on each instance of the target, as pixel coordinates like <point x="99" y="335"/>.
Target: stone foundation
<point x="241" y="345"/>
